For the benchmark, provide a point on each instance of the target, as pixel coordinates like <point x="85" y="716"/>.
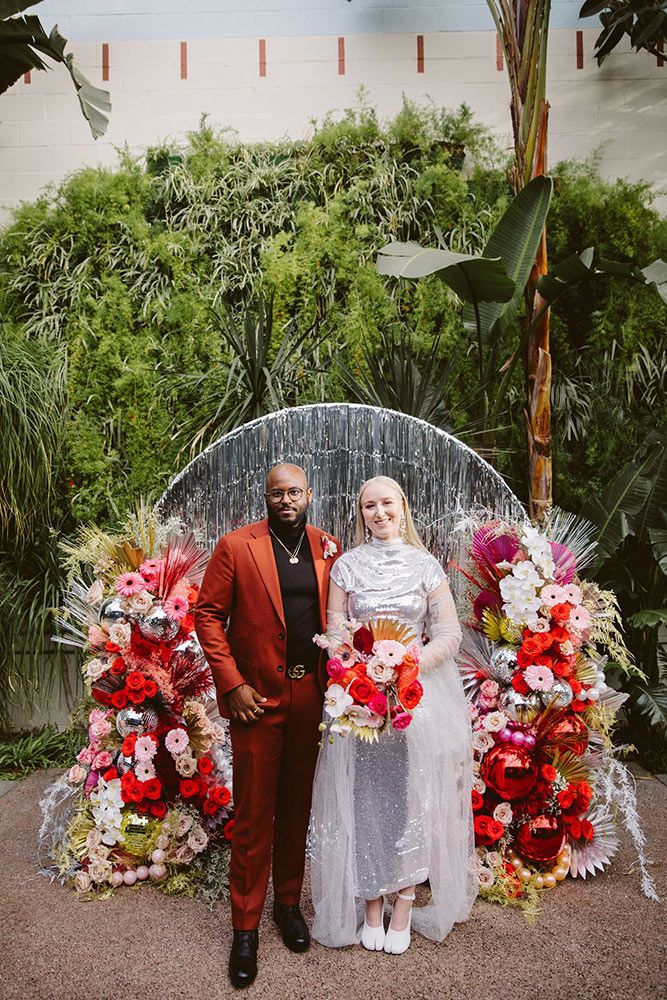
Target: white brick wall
<point x="618" y="112"/>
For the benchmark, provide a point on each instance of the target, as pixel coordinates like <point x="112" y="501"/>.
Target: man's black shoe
<point x="243" y="958"/>
<point x="292" y="927"/>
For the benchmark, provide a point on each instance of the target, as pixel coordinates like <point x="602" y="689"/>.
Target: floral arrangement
<point x="149" y="797"/>
<point x="373" y="683"/>
<point x="533" y="666"/>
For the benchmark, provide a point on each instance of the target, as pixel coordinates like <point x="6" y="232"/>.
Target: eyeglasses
<point x="275" y="496"/>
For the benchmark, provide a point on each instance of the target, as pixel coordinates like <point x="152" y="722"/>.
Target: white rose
<point x="141" y="602"/>
<point x="197" y="839"/>
<point x="479" y="785"/>
<point x="485" y="876"/>
<point x="494" y="859"/>
<point x="482" y="741"/>
<point x="96" y="668"/>
<point x="100" y="871"/>
<point x="82" y="881"/>
<point x="186" y="765"/>
<point x="503" y="813"/>
<point x="95" y="593"/>
<point x="380" y="672"/>
<point x="493" y="722"/>
<point x="120" y="634"/>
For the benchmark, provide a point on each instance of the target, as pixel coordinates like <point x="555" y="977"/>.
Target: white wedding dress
<point x="394" y="813"/>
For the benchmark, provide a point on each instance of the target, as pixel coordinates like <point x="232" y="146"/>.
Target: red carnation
<point x="111" y="647"/>
<point x="523" y="659"/>
<point x="205" y="765"/>
<point x="362" y="690"/>
<point x="119" y="699"/>
<point x="561" y="612"/>
<point x="188" y="788"/>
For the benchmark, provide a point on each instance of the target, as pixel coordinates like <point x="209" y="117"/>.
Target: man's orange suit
<point x="240" y="623"/>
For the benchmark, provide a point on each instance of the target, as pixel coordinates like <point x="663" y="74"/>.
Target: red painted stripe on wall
<point x="105" y="60"/>
<point x="341" y="57"/>
<point x="262" y="57"/>
<point x="420" y="53"/>
<point x="27" y="78"/>
<point x="499" y="54"/>
<point x="184" y="60"/>
<point x="580" y="50"/>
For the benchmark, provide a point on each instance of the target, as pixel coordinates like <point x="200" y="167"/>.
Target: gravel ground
<point x="596" y="940"/>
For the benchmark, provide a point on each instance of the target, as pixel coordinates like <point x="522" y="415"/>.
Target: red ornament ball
<point x="540" y="839"/>
<point x="510" y="771"/>
<point x="573" y="732"/>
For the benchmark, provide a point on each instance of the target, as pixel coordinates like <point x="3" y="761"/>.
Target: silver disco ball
<point x="157" y="626"/>
<point x="112" y="612"/>
<point x="560" y="693"/>
<point x="519" y="707"/>
<point x="134" y="719"/>
<point x="502" y="665"/>
<point x="189" y="649"/>
<point x="123" y="763"/>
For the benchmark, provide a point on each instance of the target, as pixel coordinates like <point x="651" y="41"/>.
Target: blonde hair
<point x="410" y="534"/>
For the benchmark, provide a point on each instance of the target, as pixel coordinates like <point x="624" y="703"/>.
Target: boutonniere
<point x="329" y="548"/>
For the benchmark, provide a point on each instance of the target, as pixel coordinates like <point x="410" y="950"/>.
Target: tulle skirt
<point x="393" y="813"/>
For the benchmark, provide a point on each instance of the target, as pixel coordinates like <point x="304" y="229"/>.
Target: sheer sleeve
<point x="336" y="615"/>
<point x="444" y="628"/>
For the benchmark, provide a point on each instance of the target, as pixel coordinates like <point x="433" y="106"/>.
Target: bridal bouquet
<point x="149" y="797"/>
<point x="533" y="661"/>
<point x="373" y="680"/>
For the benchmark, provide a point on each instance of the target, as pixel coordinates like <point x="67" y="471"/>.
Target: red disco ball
<point x="572" y="732"/>
<point x="510" y="771"/>
<point x="540" y="839"/>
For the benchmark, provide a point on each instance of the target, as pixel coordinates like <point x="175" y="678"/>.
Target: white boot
<point x="372" y="938"/>
<point x="396" y="942"/>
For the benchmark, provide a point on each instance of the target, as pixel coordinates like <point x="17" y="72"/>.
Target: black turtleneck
<point x="298" y="588"/>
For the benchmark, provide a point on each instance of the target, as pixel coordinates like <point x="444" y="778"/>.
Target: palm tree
<point x="23" y="42"/>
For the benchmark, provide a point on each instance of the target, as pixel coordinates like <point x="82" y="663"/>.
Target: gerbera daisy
<point x="176" y="741"/>
<point x="538" y="678"/>
<point x="176" y="606"/>
<point x="129" y="584"/>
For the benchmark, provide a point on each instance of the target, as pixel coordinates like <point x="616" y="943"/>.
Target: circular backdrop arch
<point x="340" y="445"/>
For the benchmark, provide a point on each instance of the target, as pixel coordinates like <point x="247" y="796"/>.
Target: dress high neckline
<point x="389" y="543"/>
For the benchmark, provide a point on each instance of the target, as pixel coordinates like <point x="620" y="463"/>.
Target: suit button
<point x="280" y="668"/>
<point x="281" y="635"/>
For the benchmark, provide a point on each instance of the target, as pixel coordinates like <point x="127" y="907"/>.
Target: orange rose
<point x="362" y="689"/>
<point x="410" y="695"/>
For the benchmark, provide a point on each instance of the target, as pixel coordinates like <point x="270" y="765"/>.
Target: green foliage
<point x="23" y="753"/>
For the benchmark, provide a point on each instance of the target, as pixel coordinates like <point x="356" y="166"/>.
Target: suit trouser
<point x="274" y="765"/>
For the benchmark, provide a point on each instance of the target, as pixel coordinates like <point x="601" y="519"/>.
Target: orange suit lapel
<point x="262" y="552"/>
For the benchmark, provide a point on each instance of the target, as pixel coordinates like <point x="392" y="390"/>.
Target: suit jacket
<point x="239" y="618"/>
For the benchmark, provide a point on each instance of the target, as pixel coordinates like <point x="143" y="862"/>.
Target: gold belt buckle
<point x="296" y="672"/>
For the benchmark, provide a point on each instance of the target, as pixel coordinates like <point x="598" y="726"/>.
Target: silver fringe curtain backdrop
<point x="340" y="445"/>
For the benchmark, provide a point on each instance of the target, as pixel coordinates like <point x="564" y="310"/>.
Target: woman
<point x="389" y="815"/>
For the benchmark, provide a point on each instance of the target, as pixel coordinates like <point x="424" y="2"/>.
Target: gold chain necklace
<point x="293" y="556"/>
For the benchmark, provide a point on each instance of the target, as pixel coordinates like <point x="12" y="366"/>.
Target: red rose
<point x="152" y="788"/>
<point x="136" y="697"/>
<point x="211" y="807"/>
<point x="576" y="686"/>
<point x="118" y="666"/>
<point x="110" y="774"/>
<point x="188" y="623"/>
<point x="128" y="745"/>
<point x="150" y="689"/>
<point x="575" y="828"/>
<point x="411" y="695"/>
<point x="205" y="765"/>
<point x="560" y="634"/>
<point x="119" y="699"/>
<point x="188" y="788"/>
<point x="578" y="706"/>
<point x="130" y="789"/>
<point x="228" y="830"/>
<point x="544" y="661"/>
<point x="221" y="794"/>
<point x="135" y="681"/>
<point x="103" y="697"/>
<point x="566" y="798"/>
<point x="587" y="829"/>
<point x="495" y="829"/>
<point x="531" y="647"/>
<point x="561" y="612"/>
<point x="111" y="647"/>
<point x="487" y="830"/>
<point x="362" y="690"/>
<point x="477" y="800"/>
<point x="523" y="659"/>
<point x="545" y="638"/>
<point x="549" y="772"/>
<point x="519" y="684"/>
<point x="159" y="809"/>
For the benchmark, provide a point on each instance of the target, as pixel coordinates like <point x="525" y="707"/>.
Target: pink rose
<point x="96" y="636"/>
<point x="489" y="689"/>
<point x="401" y="720"/>
<point x="336" y="668"/>
<point x="378" y="703"/>
<point x="77" y="774"/>
<point x="99" y="729"/>
<point x="86" y="756"/>
<point x="102" y="760"/>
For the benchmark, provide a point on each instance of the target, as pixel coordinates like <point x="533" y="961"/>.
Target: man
<point x="262" y="600"/>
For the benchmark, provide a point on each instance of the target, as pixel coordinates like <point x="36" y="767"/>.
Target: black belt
<point x="298" y="670"/>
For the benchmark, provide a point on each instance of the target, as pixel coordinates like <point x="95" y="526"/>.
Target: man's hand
<point x="244" y="704"/>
